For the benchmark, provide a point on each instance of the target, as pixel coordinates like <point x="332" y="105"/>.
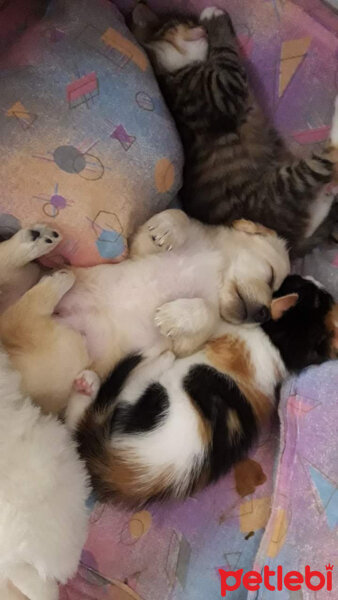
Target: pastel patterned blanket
<point x="174" y="552"/>
<point x="86" y="141"/>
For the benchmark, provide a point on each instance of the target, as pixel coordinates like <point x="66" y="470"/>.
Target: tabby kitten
<point x="166" y="427"/>
<point x="236" y="165"/>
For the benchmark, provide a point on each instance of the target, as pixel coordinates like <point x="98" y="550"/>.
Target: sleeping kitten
<point x="168" y="427"/>
<point x="43" y="490"/>
<point x="236" y="165"/>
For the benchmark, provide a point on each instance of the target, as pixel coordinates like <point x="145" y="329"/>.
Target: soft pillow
<point x="86" y="140"/>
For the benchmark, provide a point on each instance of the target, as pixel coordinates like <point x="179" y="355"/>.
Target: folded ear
<point x="252" y="228"/>
<point x="280" y="305"/>
<point x="143" y="22"/>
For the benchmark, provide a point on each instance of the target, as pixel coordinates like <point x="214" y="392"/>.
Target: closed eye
<point x="272" y="278"/>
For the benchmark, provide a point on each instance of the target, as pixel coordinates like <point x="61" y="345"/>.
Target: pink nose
<point x="196" y="33"/>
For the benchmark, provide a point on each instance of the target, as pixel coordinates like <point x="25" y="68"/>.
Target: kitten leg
<point x="45" y="295"/>
<point x="332" y="149"/>
<point x="303" y="185"/>
<point x="334" y="127"/>
<point x="85" y="389"/>
<point x="318" y="211"/>
<point x="230" y="95"/>
<point x="17" y="322"/>
<point x="25" y="246"/>
<point x="187" y="322"/>
<point x="165" y="231"/>
<point x="322" y="213"/>
<point x="219" y="26"/>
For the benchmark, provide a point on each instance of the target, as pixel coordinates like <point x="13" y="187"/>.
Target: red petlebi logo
<point x="276" y="580"/>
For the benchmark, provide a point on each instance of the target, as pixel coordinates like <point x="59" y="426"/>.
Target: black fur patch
<point x="113" y="385"/>
<point x="215" y="394"/>
<point x="35" y="234"/>
<point x="144" y="415"/>
<point x="300" y="334"/>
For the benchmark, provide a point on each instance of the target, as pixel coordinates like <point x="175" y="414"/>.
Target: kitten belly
<point x="113" y="306"/>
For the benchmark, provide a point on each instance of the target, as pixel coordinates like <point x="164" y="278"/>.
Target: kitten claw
<point x="168" y="229"/>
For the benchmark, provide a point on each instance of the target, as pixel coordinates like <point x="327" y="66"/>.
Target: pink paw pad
<point x="82" y="385"/>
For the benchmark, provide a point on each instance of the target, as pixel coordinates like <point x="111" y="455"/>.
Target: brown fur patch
<point x="234" y="426"/>
<point x="204" y="428"/>
<point x="331" y="324"/>
<point x="231" y="356"/>
<point x="48" y="354"/>
<point x="248" y="475"/>
<point x="171" y="36"/>
<point x="252" y="228"/>
<point x="117" y="476"/>
<point x="332" y="154"/>
<point x="260" y="403"/>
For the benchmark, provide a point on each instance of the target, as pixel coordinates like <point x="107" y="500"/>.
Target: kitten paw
<point x="252" y="228"/>
<point x="167" y="320"/>
<point x="187" y="323"/>
<point x="63" y="280"/>
<point x="177" y="318"/>
<point x="36" y="241"/>
<point x="210" y="13"/>
<point x="167" y="230"/>
<point x="87" y="383"/>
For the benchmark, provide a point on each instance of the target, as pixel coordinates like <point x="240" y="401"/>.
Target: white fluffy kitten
<point x="43" y="490"/>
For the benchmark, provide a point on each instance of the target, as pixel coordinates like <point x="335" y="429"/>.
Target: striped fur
<point x="236" y="164"/>
<point x="168" y="427"/>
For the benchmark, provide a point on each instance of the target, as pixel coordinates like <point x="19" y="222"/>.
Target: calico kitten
<point x="236" y="164"/>
<point x="168" y="427"/>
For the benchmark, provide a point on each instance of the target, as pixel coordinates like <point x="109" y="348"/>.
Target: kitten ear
<point x="280" y="305"/>
<point x="332" y="326"/>
<point x="252" y="228"/>
<point x="143" y="22"/>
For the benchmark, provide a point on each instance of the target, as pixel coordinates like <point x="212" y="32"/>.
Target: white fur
<point x="88" y="384"/>
<point x="318" y="211"/>
<point x="175" y="446"/>
<point x="210" y="12"/>
<point x="334" y="129"/>
<point x="313" y="280"/>
<point x="114" y="306"/>
<point x="43" y="489"/>
<point x="171" y="60"/>
<point x="265" y="358"/>
<point x="176" y="443"/>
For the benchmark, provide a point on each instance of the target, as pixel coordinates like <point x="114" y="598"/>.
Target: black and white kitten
<point x="168" y="427"/>
<point x="236" y="164"/>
